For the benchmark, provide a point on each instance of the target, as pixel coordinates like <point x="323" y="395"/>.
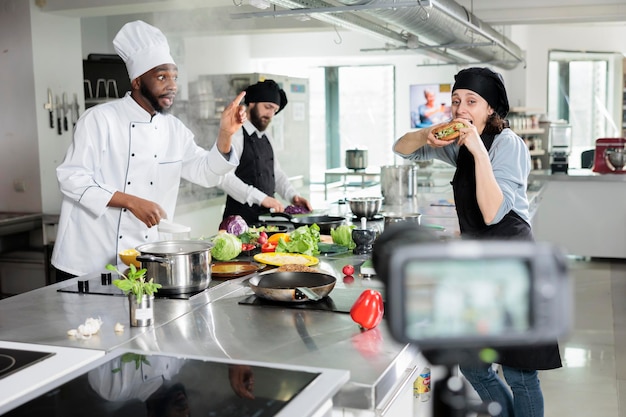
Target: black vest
<point x="256" y="168"/>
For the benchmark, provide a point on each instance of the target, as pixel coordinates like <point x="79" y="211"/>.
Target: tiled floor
<point x="591" y="382"/>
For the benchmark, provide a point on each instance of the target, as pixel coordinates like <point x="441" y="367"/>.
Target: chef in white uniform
<point x="121" y="174"/>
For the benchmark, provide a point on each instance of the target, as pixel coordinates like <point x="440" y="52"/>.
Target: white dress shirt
<point x="245" y="193"/>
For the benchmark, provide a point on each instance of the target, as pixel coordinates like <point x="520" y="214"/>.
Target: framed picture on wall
<point x="430" y="104"/>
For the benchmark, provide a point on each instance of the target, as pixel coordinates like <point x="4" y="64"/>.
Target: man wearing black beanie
<point x="252" y="186"/>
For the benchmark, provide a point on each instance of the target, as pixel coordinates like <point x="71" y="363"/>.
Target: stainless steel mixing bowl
<point x="617" y="158"/>
<point x="366" y="207"/>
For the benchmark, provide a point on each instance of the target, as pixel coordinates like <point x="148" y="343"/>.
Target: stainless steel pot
<point x="397" y="183"/>
<point x="391" y="218"/>
<point x="180" y="266"/>
<point x="356" y="158"/>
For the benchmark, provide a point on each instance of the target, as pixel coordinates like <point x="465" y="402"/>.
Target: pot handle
<point x="152" y="258"/>
<point x="283" y="214"/>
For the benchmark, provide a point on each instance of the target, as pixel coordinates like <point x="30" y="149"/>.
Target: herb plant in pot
<point x="140" y="294"/>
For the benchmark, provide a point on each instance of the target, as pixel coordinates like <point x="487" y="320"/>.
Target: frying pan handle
<point x="284" y="215"/>
<point x="152" y="258"/>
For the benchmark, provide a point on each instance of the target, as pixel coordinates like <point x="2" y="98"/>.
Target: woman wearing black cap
<point x="489" y="185"/>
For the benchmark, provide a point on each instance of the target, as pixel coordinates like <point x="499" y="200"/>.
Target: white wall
<point x="538" y="40"/>
<point x="18" y="124"/>
<point x="57" y="64"/>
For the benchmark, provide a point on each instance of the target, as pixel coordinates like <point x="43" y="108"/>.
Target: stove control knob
<point x="105" y="278"/>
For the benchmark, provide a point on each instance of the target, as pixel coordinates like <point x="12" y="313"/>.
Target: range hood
<point x="439" y="28"/>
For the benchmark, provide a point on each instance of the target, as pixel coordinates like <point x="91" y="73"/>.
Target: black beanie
<point x="266" y="92"/>
<point x="487" y="84"/>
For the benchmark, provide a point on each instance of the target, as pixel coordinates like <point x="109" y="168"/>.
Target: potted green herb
<point x="140" y="294"/>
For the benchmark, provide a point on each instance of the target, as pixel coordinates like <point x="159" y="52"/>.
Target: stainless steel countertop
<point x="213" y="324"/>
<point x="576" y="174"/>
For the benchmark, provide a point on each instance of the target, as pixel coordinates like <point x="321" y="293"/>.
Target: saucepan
<point x="292" y="287"/>
<point x="324" y="222"/>
<point x="180" y="266"/>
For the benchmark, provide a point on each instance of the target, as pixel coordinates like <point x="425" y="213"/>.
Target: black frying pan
<point x="292" y="287"/>
<point x="324" y="222"/>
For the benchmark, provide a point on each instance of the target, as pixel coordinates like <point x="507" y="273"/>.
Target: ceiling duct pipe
<point x="449" y="25"/>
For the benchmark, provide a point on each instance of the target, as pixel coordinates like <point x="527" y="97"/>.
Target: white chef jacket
<point x="244" y="193"/>
<point x="119" y="146"/>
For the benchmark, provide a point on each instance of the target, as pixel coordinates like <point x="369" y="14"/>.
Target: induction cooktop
<point x="133" y="384"/>
<point x="13" y="360"/>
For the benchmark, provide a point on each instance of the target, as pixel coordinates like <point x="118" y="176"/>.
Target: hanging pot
<point x="180" y="266"/>
<point x="356" y="158"/>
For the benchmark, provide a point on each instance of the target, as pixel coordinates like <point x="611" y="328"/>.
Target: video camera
<point x="471" y="294"/>
<point x="457" y="299"/>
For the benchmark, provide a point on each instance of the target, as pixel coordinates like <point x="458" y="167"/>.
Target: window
<point x="363" y="118"/>
<point x="581" y="92"/>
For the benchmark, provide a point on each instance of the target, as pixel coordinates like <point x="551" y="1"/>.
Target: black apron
<point x="256" y="168"/>
<point x="512" y="226"/>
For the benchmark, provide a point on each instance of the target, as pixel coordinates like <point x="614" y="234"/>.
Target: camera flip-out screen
<point x="471" y="294"/>
<point x="467" y="298"/>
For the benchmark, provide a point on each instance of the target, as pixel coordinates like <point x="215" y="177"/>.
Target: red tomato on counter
<point x="247" y="246"/>
<point x="348" y="270"/>
<point x="367" y="311"/>
<point x="268" y="247"/>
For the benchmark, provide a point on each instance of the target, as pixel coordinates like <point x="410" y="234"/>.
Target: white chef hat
<point x="142" y="47"/>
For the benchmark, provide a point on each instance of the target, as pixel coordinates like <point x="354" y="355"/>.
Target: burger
<point x="448" y="131"/>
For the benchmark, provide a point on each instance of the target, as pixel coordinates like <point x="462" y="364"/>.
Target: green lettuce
<point x="225" y="247"/>
<point x="342" y="235"/>
<point x="302" y="240"/>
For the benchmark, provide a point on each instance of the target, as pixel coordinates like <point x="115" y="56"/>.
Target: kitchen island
<point x="215" y="324"/>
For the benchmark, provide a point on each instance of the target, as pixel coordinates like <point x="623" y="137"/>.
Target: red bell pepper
<point x="368" y="309"/>
<point x="268" y="247"/>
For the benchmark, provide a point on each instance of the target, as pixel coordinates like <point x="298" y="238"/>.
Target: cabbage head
<point x="225" y="247"/>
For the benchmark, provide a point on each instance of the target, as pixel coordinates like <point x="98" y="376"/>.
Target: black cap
<point x="266" y="92"/>
<point x="486" y="83"/>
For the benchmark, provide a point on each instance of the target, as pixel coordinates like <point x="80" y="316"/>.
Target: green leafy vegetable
<point x="225" y="247"/>
<point x="302" y="240"/>
<point x="342" y="235"/>
<point x="135" y="282"/>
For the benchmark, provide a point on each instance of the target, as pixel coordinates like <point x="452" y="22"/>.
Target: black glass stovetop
<point x="13" y="360"/>
<point x="98" y="287"/>
<point x="138" y="385"/>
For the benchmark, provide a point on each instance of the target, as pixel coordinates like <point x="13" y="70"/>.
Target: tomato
<point x="247" y="246"/>
<point x="368" y="309"/>
<point x="348" y="270"/>
<point x="268" y="247"/>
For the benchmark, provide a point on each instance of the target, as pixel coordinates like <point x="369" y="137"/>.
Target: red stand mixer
<point x="610" y="156"/>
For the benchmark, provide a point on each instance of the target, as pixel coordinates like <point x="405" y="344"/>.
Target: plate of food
<point x="234" y="269"/>
<point x="284" y="258"/>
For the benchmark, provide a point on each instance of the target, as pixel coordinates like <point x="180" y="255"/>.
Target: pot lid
<point x="175" y="247"/>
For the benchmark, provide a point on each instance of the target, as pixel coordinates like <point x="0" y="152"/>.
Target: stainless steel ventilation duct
<point x="441" y="28"/>
<point x="448" y="24"/>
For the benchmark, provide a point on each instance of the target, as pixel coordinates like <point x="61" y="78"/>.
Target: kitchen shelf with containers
<point x="525" y="122"/>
